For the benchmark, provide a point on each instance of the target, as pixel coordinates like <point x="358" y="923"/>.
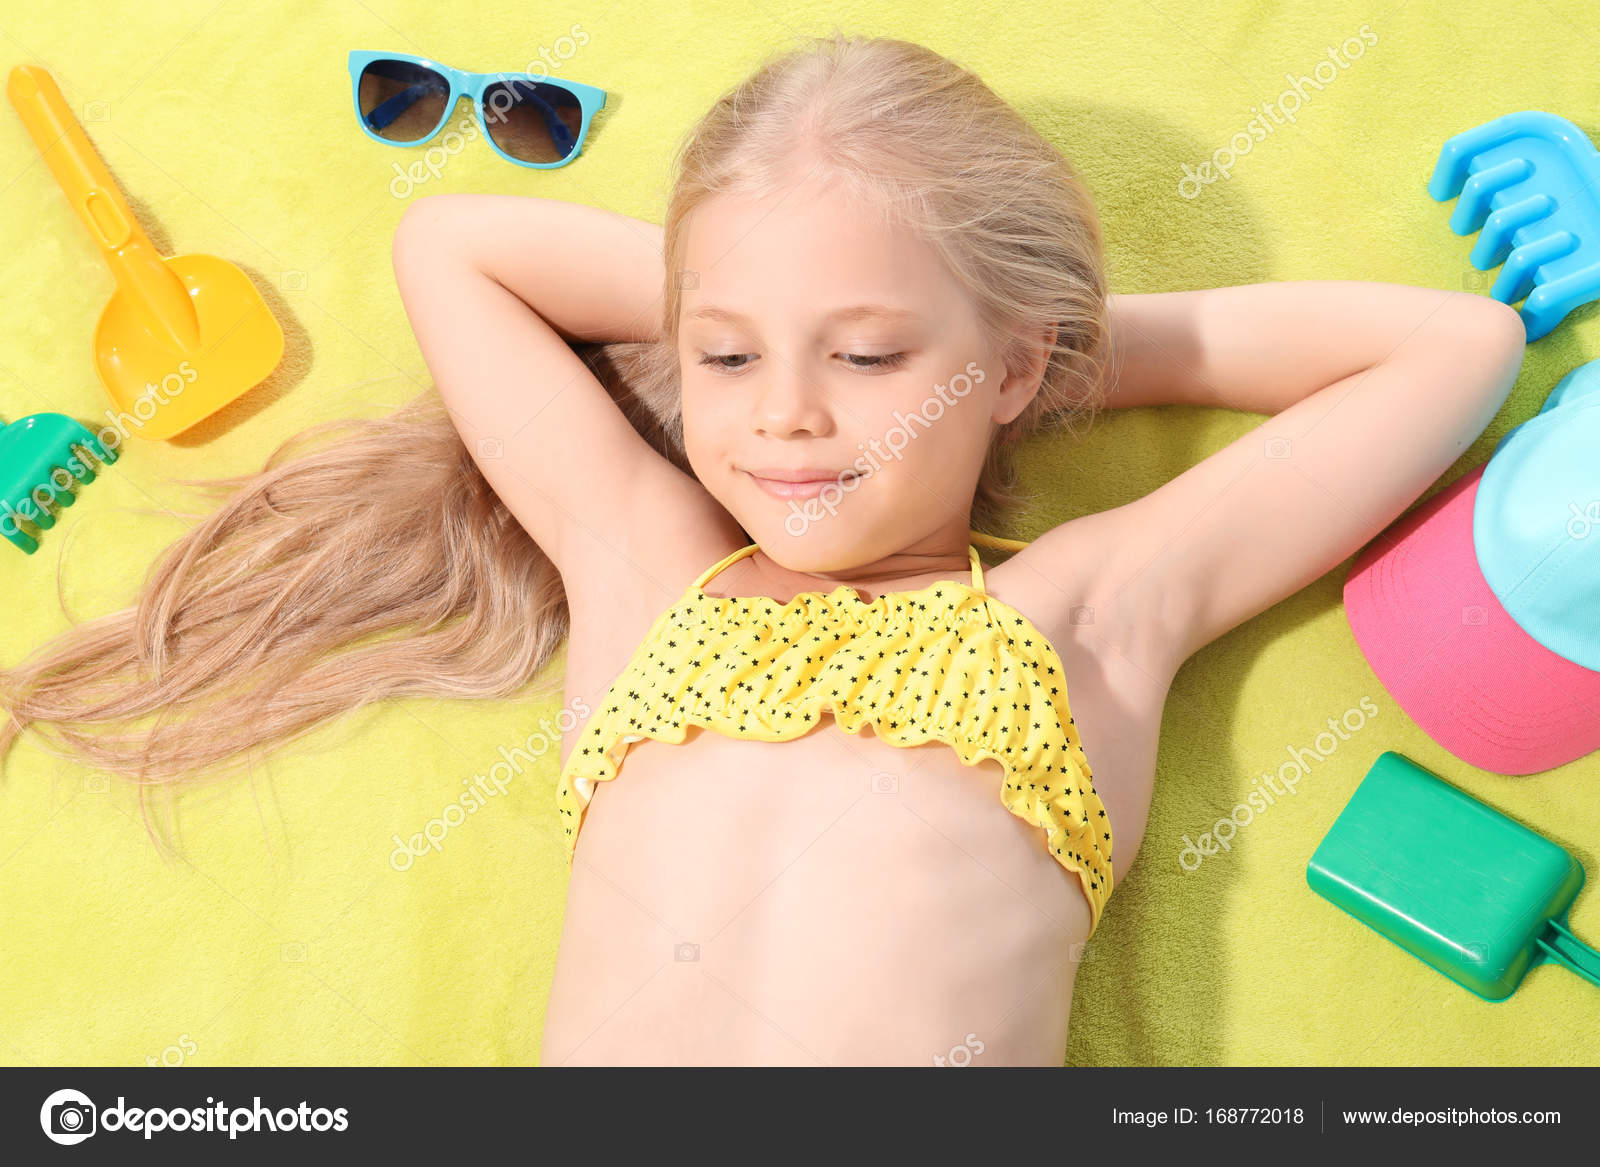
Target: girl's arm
<point x="1159" y="360"/>
<point x="494" y="285"/>
<point x="1376" y="390"/>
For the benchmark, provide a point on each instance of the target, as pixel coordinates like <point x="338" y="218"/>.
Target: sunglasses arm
<point x="559" y="133"/>
<point x="385" y="113"/>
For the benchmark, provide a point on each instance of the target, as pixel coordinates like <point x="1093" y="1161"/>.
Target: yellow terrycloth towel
<point x="297" y="931"/>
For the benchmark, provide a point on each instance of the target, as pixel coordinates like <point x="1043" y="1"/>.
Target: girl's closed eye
<point x="859" y="361"/>
<point x="884" y="361"/>
<point x="715" y="361"/>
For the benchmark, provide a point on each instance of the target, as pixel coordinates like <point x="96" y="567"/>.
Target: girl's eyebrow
<point x="852" y="313"/>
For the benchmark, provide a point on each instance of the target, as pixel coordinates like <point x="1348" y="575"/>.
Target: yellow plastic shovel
<point x="181" y="336"/>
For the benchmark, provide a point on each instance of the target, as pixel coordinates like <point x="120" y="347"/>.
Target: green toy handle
<point x="1561" y="946"/>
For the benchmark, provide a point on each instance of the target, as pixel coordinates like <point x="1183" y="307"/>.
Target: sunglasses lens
<point x="401" y="101"/>
<point x="533" y="121"/>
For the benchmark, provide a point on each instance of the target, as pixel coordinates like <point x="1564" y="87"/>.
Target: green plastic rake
<point x="41" y="457"/>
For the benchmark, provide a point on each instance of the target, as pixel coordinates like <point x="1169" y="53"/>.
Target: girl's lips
<point x="802" y="488"/>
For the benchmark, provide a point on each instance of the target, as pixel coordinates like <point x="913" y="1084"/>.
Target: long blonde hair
<point x="339" y="574"/>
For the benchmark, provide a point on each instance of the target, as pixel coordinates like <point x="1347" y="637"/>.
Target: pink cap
<point x="1453" y="658"/>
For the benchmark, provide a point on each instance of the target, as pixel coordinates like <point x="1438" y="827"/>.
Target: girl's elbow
<point x="1497" y="331"/>
<point x="432" y="226"/>
<point x="1510" y="336"/>
<point x="1496" y="324"/>
<point x="1491" y="339"/>
<point x="428" y="243"/>
<point x="1507" y="325"/>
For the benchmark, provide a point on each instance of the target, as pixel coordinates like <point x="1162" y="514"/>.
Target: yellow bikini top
<point x="942" y="663"/>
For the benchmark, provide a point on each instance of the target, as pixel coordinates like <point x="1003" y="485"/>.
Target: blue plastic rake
<point x="1531" y="182"/>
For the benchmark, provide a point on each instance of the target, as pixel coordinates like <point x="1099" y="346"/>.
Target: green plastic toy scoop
<point x="1454" y="882"/>
<point x="41" y="458"/>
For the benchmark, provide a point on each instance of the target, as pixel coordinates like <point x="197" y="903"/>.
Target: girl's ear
<point x="1023" y="374"/>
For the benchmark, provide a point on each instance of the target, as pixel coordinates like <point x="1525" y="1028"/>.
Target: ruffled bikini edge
<point x="852" y="722"/>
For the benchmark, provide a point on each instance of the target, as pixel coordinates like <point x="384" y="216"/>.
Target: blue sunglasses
<point x="529" y="119"/>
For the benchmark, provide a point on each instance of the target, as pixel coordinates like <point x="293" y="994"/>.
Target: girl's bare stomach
<point x="824" y="901"/>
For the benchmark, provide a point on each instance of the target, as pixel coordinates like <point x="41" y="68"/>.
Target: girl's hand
<point x="495" y="286"/>
<point x="1376" y="389"/>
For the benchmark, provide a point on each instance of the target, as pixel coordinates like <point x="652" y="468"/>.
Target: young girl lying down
<point x="847" y="786"/>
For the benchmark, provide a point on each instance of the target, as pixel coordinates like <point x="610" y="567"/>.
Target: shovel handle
<point x="158" y="294"/>
<point x="72" y="158"/>
<point x="1561" y="946"/>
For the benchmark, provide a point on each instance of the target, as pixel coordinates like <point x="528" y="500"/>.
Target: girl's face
<point x="838" y="398"/>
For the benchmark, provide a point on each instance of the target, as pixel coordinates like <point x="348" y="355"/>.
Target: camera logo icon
<point x="67" y="1117"/>
<point x="685" y="952"/>
<point x="491" y="448"/>
<point x="1278" y="448"/>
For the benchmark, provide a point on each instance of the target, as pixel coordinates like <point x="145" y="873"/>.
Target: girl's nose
<point x="790" y="404"/>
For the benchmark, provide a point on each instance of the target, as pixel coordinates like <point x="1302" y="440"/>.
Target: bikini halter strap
<point x="988" y="541"/>
<point x="972" y="553"/>
<point x="705" y="576"/>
